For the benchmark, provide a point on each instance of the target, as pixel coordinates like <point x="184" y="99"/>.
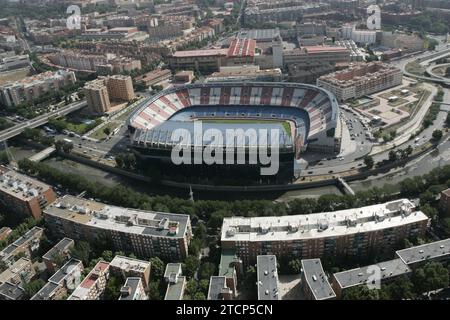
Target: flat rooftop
<point x="30" y="236"/>
<point x="129" y="288"/>
<point x="428" y="251"/>
<point x="172" y="270"/>
<point x="217" y="285"/>
<point x="200" y="53"/>
<point x="20" y="186"/>
<point x="320" y="225"/>
<point x="102" y="216"/>
<point x="227" y="260"/>
<point x="129" y="264"/>
<point x="11" y="291"/>
<point x="15" y="269"/>
<point x="90" y="281"/>
<point x="267" y="275"/>
<point x="359" y="276"/>
<point x="58" y="248"/>
<point x="317" y="280"/>
<point x="259" y="34"/>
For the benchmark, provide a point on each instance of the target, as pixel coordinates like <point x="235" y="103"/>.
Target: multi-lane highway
<point x="40" y="120"/>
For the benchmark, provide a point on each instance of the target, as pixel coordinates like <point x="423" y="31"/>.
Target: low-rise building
<point x="372" y="275"/>
<point x="176" y="283"/>
<point x="205" y="60"/>
<point x="314" y="281"/>
<point x="218" y="289"/>
<point x="144" y="233"/>
<point x="66" y="278"/>
<point x="418" y="255"/>
<point x="93" y="286"/>
<point x="133" y="290"/>
<point x="20" y="272"/>
<point x="59" y="253"/>
<point x="153" y="77"/>
<point x="27" y="244"/>
<point x="129" y="267"/>
<point x="9" y="291"/>
<point x="23" y="195"/>
<point x="361" y="79"/>
<point x="230" y="267"/>
<point x="245" y="73"/>
<point x="183" y="77"/>
<point x="267" y="277"/>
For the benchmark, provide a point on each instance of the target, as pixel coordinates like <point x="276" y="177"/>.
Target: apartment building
<point x="406" y="260"/>
<point x="65" y="279"/>
<point x="230" y="268"/>
<point x="267" y="277"/>
<point x="350" y="232"/>
<point x="144" y="233"/>
<point x="133" y="289"/>
<point x="23" y="195"/>
<point x="33" y="87"/>
<point x="218" y="289"/>
<point x="14" y="62"/>
<point x="27" y="244"/>
<point x="100" y="92"/>
<point x="93" y="286"/>
<point x="129" y="267"/>
<point x="97" y="96"/>
<point x="308" y="54"/>
<point x="153" y="77"/>
<point x="361" y="79"/>
<point x="314" y="282"/>
<point x="387" y="271"/>
<point x="444" y="202"/>
<point x="12" y="292"/>
<point x="120" y="87"/>
<point x="176" y="283"/>
<point x="19" y="273"/>
<point x="57" y="254"/>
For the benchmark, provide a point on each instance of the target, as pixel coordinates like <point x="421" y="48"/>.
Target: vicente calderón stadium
<point x="305" y="115"/>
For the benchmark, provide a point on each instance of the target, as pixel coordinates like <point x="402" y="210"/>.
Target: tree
<point x="33" y="287"/>
<point x="361" y="293"/>
<point x="432" y="276"/>
<point x="400" y="288"/>
<point x="199" y="296"/>
<point x="157" y="267"/>
<point x="154" y="292"/>
<point x="81" y="251"/>
<point x="437" y="135"/>
<point x="191" y="265"/>
<point x="107" y="131"/>
<point x="112" y="289"/>
<point x="392" y="155"/>
<point x="295" y="266"/>
<point x="368" y="161"/>
<point x="206" y="270"/>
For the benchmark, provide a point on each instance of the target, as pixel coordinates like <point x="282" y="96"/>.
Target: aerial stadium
<point x="305" y="115"/>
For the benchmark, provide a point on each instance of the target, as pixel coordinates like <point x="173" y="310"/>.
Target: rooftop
<point x="129" y="264"/>
<point x="58" y="248"/>
<point x="358" y="276"/>
<point x="200" y="53"/>
<point x="328" y="224"/>
<point x="17" y="268"/>
<point x="102" y="216"/>
<point x="11" y="291"/>
<point x="242" y="48"/>
<point x="267" y="277"/>
<point x="428" y="251"/>
<point x="316" y="279"/>
<point x="217" y="286"/>
<point x="172" y="272"/>
<point x="227" y="260"/>
<point x="129" y="289"/>
<point x="91" y="280"/>
<point x="31" y="236"/>
<point x="19" y="185"/>
<point x="175" y="290"/>
<point x="71" y="268"/>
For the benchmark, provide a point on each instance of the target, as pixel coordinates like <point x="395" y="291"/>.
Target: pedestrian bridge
<point x="44" y="154"/>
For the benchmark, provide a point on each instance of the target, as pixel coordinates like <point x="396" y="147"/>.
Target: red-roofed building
<point x="241" y="51"/>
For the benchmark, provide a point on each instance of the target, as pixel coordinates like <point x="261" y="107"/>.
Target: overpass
<point x="427" y="59"/>
<point x="40" y="120"/>
<point x="44" y="154"/>
<point x="346" y="188"/>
